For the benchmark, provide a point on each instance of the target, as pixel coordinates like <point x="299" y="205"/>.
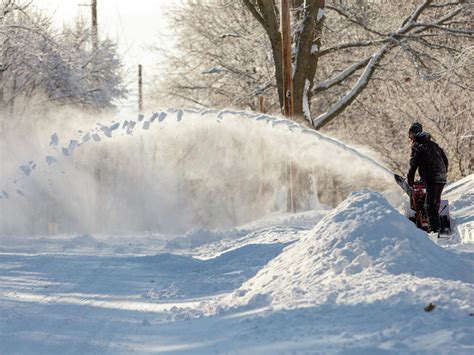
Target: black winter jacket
<point x="429" y="159"/>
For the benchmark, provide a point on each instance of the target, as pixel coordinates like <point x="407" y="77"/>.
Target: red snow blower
<point x="418" y="213"/>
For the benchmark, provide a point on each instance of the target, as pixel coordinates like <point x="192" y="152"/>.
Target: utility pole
<point x="261" y="104"/>
<point x="263" y="186"/>
<point x="95" y="32"/>
<point x="288" y="108"/>
<point x="140" y="89"/>
<point x="94" y="26"/>
<point x="2" y="64"/>
<point x="99" y="215"/>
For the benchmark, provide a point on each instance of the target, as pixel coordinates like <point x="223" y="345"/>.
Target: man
<point x="432" y="165"/>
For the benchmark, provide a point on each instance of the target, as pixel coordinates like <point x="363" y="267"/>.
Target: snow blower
<point x="417" y="213"/>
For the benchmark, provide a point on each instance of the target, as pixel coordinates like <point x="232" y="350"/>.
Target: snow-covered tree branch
<point x="419" y="20"/>
<point x="350" y="96"/>
<point x="345" y="74"/>
<point x="40" y="62"/>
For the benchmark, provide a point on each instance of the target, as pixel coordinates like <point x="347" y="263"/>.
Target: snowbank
<point x="460" y="195"/>
<point x="362" y="252"/>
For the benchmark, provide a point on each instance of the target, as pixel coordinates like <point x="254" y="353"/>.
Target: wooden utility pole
<point x="261" y="104"/>
<point x="94" y="26"/>
<point x="288" y="107"/>
<point x="95" y="32"/>
<point x="140" y="89"/>
<point x="3" y="67"/>
<point x="263" y="188"/>
<point x="99" y="206"/>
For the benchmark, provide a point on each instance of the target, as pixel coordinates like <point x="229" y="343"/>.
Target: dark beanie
<point x="415" y="127"/>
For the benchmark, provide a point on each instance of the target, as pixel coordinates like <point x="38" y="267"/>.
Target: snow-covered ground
<point x="351" y="279"/>
<point x="354" y="279"/>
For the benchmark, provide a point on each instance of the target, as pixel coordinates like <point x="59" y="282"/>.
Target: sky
<point x="137" y="26"/>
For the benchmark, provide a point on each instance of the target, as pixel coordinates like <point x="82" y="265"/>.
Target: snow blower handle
<point x="402" y="182"/>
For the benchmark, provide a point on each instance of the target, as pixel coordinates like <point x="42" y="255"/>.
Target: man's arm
<point x="444" y="157"/>
<point x="414" y="163"/>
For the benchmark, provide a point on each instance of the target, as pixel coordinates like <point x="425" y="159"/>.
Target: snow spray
<point x="172" y="171"/>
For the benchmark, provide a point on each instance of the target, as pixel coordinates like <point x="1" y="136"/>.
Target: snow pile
<point x="279" y="227"/>
<point x="362" y="252"/>
<point x="300" y="220"/>
<point x="202" y="236"/>
<point x="460" y="195"/>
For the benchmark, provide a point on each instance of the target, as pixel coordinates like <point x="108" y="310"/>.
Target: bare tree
<point x="228" y="52"/>
<point x="416" y="32"/>
<point x="381" y="115"/>
<point x="221" y="58"/>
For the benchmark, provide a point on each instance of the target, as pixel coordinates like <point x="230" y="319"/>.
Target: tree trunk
<point x="305" y="59"/>
<point x="308" y="42"/>
<point x="277" y="49"/>
<point x="1" y="88"/>
<point x="287" y="70"/>
<point x="266" y="12"/>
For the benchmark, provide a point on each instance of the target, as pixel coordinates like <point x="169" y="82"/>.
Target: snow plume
<point x="169" y="171"/>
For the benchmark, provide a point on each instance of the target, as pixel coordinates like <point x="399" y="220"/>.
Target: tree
<point x="97" y="68"/>
<point x="442" y="104"/>
<point x="307" y="32"/>
<point x="61" y="67"/>
<point x="420" y="30"/>
<point x="221" y="58"/>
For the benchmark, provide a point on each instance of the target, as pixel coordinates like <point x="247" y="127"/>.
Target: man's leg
<point x="439" y="191"/>
<point x="442" y="229"/>
<point x="433" y="200"/>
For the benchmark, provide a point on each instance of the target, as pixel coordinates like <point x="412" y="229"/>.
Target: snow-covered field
<point x="352" y="279"/>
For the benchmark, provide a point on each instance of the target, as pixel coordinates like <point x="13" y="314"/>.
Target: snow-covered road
<point x="350" y="280"/>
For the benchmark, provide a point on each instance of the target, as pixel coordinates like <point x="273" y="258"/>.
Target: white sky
<point x="135" y="24"/>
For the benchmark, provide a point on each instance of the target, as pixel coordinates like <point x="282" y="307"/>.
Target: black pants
<point x="433" y="200"/>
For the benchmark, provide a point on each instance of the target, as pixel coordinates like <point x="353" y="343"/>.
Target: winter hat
<point x="415" y="128"/>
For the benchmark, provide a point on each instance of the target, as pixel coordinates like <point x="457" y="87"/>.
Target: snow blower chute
<point x="418" y="213"/>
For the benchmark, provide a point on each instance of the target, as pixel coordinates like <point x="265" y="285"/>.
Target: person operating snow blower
<point x="432" y="164"/>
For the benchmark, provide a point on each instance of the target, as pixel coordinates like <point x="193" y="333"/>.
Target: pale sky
<point x="135" y="24"/>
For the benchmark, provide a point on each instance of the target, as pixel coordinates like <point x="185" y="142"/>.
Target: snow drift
<point x="355" y="255"/>
<point x="461" y="197"/>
